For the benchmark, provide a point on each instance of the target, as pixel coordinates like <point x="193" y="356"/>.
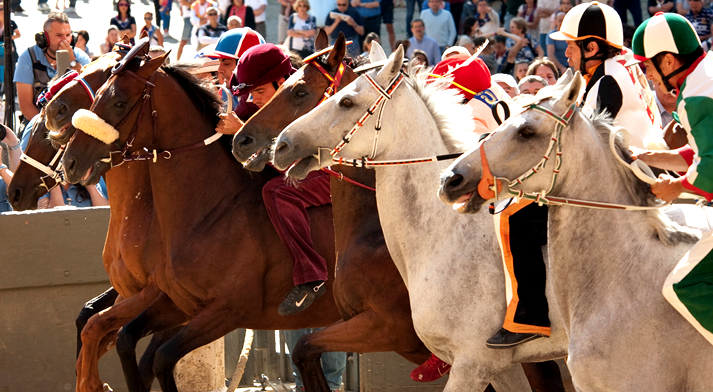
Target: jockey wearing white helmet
<point x="669" y="47"/>
<point x="595" y="38"/>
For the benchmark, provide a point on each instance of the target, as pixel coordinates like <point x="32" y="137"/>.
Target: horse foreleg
<point x="366" y="332"/>
<point x="511" y="379"/>
<point x="160" y="315"/>
<point x="146" y="362"/>
<point x="213" y="322"/>
<point x="94" y="306"/>
<point x="98" y="327"/>
<point x="544" y="376"/>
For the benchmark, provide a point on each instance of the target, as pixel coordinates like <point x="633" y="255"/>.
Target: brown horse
<point x="212" y="272"/>
<point x="369" y="291"/>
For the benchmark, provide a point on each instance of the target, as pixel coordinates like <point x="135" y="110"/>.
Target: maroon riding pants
<point x="287" y="207"/>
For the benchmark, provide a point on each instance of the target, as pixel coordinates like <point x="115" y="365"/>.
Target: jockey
<point x="669" y="47"/>
<point x="595" y="38"/>
<point x="471" y="78"/>
<point x="261" y="70"/>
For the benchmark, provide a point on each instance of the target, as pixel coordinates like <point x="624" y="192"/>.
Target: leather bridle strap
<point x="334" y="82"/>
<point x="55" y="174"/>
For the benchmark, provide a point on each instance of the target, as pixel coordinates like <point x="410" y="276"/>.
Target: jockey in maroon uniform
<point x="261" y="70"/>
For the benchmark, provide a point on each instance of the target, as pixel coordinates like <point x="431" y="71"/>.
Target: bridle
<point x="489" y="186"/>
<point x="53" y="171"/>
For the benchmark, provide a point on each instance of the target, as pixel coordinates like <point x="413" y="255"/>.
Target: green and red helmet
<point x="664" y="32"/>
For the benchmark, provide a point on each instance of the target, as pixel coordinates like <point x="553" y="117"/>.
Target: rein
<point x="490" y="186"/>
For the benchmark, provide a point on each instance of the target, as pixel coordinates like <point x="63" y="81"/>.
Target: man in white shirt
<point x="260" y="11"/>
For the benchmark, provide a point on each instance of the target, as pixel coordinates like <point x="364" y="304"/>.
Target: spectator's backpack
<point x="41" y="77"/>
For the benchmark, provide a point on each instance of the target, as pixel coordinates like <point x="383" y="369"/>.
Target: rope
<point x="242" y="361"/>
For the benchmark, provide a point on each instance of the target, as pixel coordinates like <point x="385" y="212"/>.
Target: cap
<point x="591" y="20"/>
<point x="235" y="42"/>
<point x="504" y="78"/>
<point x="664" y="32"/>
<point x="470" y="74"/>
<point x="207" y="64"/>
<point x="259" y="65"/>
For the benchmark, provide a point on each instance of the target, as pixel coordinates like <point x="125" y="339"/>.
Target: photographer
<point x="37" y="65"/>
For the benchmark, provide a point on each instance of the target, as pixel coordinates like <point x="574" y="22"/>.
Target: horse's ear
<point x="564" y="79"/>
<point x="322" y="40"/>
<point x="377" y="52"/>
<point x="150" y="66"/>
<point x="337" y="54"/>
<point x="126" y="40"/>
<point x="572" y="91"/>
<point x="144" y="34"/>
<point x="391" y="68"/>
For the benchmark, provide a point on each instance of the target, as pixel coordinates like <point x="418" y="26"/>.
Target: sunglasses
<point x="148" y="18"/>
<point x="212" y="14"/>
<point x="123" y="4"/>
<point x="342" y="5"/>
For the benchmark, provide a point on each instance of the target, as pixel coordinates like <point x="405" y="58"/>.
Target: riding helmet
<point x="591" y="20"/>
<point x="664" y="32"/>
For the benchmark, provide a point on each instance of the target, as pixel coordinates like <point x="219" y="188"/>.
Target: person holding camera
<point x="38" y="64"/>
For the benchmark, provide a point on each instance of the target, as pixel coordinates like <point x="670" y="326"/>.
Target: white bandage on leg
<point x="92" y="125"/>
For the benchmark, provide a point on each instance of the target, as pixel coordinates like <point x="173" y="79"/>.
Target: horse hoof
<point x="107" y="388"/>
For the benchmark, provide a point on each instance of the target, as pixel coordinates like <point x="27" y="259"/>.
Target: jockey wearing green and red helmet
<point x="669" y="47"/>
<point x="595" y="40"/>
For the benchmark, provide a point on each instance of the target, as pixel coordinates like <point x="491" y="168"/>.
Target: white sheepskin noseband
<point x="92" y="125"/>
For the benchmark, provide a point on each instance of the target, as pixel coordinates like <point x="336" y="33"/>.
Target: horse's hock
<point x="51" y="265"/>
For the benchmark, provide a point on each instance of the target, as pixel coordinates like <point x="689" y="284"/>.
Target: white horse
<point x="607" y="266"/>
<point x="450" y="263"/>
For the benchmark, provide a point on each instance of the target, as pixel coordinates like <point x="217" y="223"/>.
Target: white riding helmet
<point x="591" y="20"/>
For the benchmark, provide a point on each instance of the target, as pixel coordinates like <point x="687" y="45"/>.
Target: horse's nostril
<point x="17" y="196"/>
<point x="281" y="148"/>
<point x="245" y="141"/>
<point x="454" y="181"/>
<point x="68" y="164"/>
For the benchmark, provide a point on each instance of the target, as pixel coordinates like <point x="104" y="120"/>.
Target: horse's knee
<point x="83" y="317"/>
<point x="125" y="343"/>
<point x="305" y="352"/>
<point x="163" y="363"/>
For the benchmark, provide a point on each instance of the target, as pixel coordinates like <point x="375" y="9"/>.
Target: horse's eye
<point x="120" y="105"/>
<point x="345" y="103"/>
<point x="526" y="132"/>
<point x="301" y="93"/>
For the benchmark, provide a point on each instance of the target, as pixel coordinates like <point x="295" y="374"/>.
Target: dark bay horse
<point x="369" y="291"/>
<point x="216" y="258"/>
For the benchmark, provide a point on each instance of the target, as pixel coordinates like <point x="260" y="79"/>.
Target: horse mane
<point x="667" y="231"/>
<point x="202" y="96"/>
<point x="453" y="119"/>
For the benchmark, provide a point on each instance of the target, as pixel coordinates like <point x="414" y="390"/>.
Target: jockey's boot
<point x="301" y="297"/>
<point x="431" y="370"/>
<point x="507" y="339"/>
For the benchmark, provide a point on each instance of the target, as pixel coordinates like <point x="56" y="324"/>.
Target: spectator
<point x="511" y="9"/>
<point x="528" y="11"/>
<point x="333" y="363"/>
<point x="500" y="50"/>
<point x="123" y="20"/>
<point x="565" y="6"/>
<point x="445" y="6"/>
<point x="210" y="32"/>
<point x="260" y="11"/>
<point x="154" y="33"/>
<point x="112" y="37"/>
<point x="234" y="22"/>
<point x="387" y="16"/>
<point x="14" y="152"/>
<point x="245" y="13"/>
<point x="701" y="18"/>
<point x="666" y="103"/>
<point x="165" y="14"/>
<point x="521" y="68"/>
<point x="367" y="44"/>
<point x="77" y="195"/>
<point x="488" y="54"/>
<point x="661" y="6"/>
<point x="439" y="24"/>
<point x="545" y="69"/>
<point x="82" y="40"/>
<point x="469" y="27"/>
<point x="531" y="85"/>
<point x="507" y="82"/>
<point x="302" y="28"/>
<point x="545" y="10"/>
<point x="286" y="10"/>
<point x="465" y="42"/>
<point x="36" y="65"/>
<point x="351" y="25"/>
<point x="199" y="17"/>
<point x="370" y="11"/>
<point x="486" y="19"/>
<point x="420" y="58"/>
<point x="682" y="7"/>
<point x="411" y="6"/>
<point x="525" y="46"/>
<point x="420" y="41"/>
<point x="556" y="49"/>
<point x="187" y="26"/>
<point x="633" y="6"/>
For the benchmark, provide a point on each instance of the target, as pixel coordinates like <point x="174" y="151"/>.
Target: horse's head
<point x="514" y="151"/>
<point x="77" y="94"/>
<point x="104" y="133"/>
<point x="297" y="146"/>
<point x="301" y="93"/>
<point x="35" y="175"/>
